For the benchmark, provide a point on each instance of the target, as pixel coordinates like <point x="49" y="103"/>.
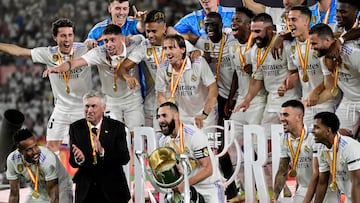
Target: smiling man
<point x="304" y="64"/>
<point x="339" y="159"/>
<point x="191" y="85"/>
<point x="68" y="87"/>
<point x="99" y="150"/>
<point x="205" y="177"/>
<point x="47" y="177"/>
<point x="119" y="11"/>
<point x="123" y="103"/>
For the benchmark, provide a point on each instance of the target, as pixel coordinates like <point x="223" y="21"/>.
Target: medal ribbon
<point x="117" y="69"/>
<point x="326" y="19"/>
<point x="155" y="56"/>
<point x="173" y="86"/>
<point x="333" y="165"/>
<point x="242" y="53"/>
<point x="66" y="75"/>
<point x="35" y="179"/>
<point x="92" y="141"/>
<point x="303" y="61"/>
<point x="295" y="157"/>
<point x="222" y="43"/>
<point x="336" y="76"/>
<point x="260" y="60"/>
<point x="181" y="148"/>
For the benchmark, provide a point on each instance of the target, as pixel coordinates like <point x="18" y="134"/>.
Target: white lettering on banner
<point x="255" y="141"/>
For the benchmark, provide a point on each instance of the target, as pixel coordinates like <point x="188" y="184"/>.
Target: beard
<point x="264" y="41"/>
<point x="321" y="52"/>
<point x="167" y="128"/>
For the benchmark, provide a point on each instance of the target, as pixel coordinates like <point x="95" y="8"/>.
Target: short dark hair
<point x="112" y="29"/>
<point x="120" y="1"/>
<point x="214" y="15"/>
<point x="62" y="22"/>
<point x="304" y="10"/>
<point x="262" y="17"/>
<point x="172" y="106"/>
<point x="180" y="41"/>
<point x="21" y="135"/>
<point x="322" y="30"/>
<point x="155" y="16"/>
<point x="329" y="119"/>
<point x="355" y="3"/>
<point x="249" y="13"/>
<point x="295" y="104"/>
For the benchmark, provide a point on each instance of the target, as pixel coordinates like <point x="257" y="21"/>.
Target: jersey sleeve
<point x="11" y="170"/>
<point x="40" y="55"/>
<point x="49" y="167"/>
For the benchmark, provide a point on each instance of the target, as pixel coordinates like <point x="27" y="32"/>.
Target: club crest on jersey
<point x="233" y="48"/>
<point x="207" y="46"/>
<point x="193" y="77"/>
<point x="313" y="19"/>
<point x="307" y="149"/>
<point x="201" y="23"/>
<point x="55" y="57"/>
<point x="148" y="51"/>
<point x="315" y="55"/>
<point x="293" y="49"/>
<point x="20" y="167"/>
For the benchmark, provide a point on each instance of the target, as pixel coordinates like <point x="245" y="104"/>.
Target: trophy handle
<point x="140" y="155"/>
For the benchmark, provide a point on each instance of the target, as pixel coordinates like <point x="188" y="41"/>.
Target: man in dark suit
<point x="98" y="148"/>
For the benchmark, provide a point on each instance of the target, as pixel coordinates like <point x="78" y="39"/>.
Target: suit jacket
<point x="108" y="172"/>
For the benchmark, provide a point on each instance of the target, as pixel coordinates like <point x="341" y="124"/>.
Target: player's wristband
<point x="341" y="39"/>
<point x="205" y="114"/>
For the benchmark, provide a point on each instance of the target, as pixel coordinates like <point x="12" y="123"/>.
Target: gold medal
<point x="35" y="195"/>
<point x="334" y="91"/>
<point x="115" y="87"/>
<point x="172" y="100"/>
<point x="333" y="186"/>
<point x="67" y="89"/>
<point x="305" y="77"/>
<point x="292" y="173"/>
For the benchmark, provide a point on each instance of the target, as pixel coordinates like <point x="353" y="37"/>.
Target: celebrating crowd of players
<point x="248" y="64"/>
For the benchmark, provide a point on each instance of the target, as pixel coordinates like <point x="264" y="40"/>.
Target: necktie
<point x="94" y="130"/>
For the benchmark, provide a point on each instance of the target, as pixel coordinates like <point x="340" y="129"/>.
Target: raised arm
<point x="67" y="66"/>
<point x="255" y="7"/>
<point x="15" y="50"/>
